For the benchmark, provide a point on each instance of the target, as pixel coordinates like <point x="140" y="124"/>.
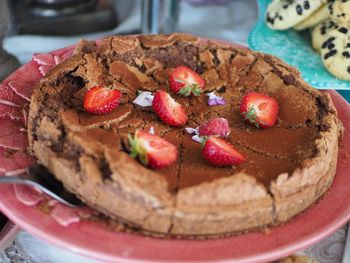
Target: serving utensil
<point x="39" y="177"/>
<point x="346" y="254"/>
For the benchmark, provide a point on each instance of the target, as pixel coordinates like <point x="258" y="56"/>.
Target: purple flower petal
<point x="220" y="101"/>
<point x="197" y="138"/>
<point x="192" y="130"/>
<point x="144" y="99"/>
<point x="214" y="100"/>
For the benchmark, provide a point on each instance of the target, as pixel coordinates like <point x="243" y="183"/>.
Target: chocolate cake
<point x="288" y="166"/>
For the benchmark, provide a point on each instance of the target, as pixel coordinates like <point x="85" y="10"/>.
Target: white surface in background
<point x="37" y="251"/>
<point x="24" y="46"/>
<point x="232" y="21"/>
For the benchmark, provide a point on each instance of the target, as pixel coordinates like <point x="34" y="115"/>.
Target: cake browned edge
<point x="226" y="205"/>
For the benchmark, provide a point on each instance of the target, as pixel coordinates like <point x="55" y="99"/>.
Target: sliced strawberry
<point x="152" y="150"/>
<point x="219" y="152"/>
<point x="168" y="110"/>
<point x="185" y="81"/>
<point x="101" y="100"/>
<point x="259" y="109"/>
<point x="216" y="126"/>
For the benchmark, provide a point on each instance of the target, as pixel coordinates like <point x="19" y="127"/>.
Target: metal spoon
<point x="39" y="177"/>
<point x="346" y="254"/>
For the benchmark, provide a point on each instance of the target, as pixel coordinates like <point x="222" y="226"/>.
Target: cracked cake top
<point x="89" y="153"/>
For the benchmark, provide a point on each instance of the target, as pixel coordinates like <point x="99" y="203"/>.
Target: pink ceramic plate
<point x="93" y="240"/>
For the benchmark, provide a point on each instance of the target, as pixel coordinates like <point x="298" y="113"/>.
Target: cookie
<point x="284" y="14"/>
<point x="297" y="259"/>
<point x="315" y="18"/>
<point x="335" y="52"/>
<point x="319" y="33"/>
<point x="339" y="10"/>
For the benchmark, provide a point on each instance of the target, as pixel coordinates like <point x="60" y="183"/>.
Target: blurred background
<point x="46" y="25"/>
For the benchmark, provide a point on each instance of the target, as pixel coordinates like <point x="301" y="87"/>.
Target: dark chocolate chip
<point x="343" y="30"/>
<point x="330" y="46"/>
<point x="346" y="54"/>
<point x="327" y="42"/>
<point x="269" y="19"/>
<point x="299" y="10"/>
<point x="330" y="8"/>
<point x="330" y="54"/>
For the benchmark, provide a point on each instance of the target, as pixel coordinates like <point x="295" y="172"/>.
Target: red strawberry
<point x="168" y="110"/>
<point x="185" y="81"/>
<point x="219" y="152"/>
<point x="259" y="109"/>
<point x="152" y="150"/>
<point x="101" y="100"/>
<point x="216" y="126"/>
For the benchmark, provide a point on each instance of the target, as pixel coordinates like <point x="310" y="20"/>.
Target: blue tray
<point x="345" y="94"/>
<point x="295" y="48"/>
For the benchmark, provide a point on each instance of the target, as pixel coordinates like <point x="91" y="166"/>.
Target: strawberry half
<point x="168" y="110"/>
<point x="185" y="81"/>
<point x="152" y="150"/>
<point x="259" y="109"/>
<point x="216" y="126"/>
<point x="101" y="100"/>
<point x="219" y="152"/>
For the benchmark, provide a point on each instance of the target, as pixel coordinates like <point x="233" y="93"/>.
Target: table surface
<point x="236" y="20"/>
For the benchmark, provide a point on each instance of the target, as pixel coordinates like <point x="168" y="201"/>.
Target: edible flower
<point x="144" y="99"/>
<point x="190" y="130"/>
<point x="197" y="138"/>
<point x="214" y="99"/>
<point x="195" y="132"/>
